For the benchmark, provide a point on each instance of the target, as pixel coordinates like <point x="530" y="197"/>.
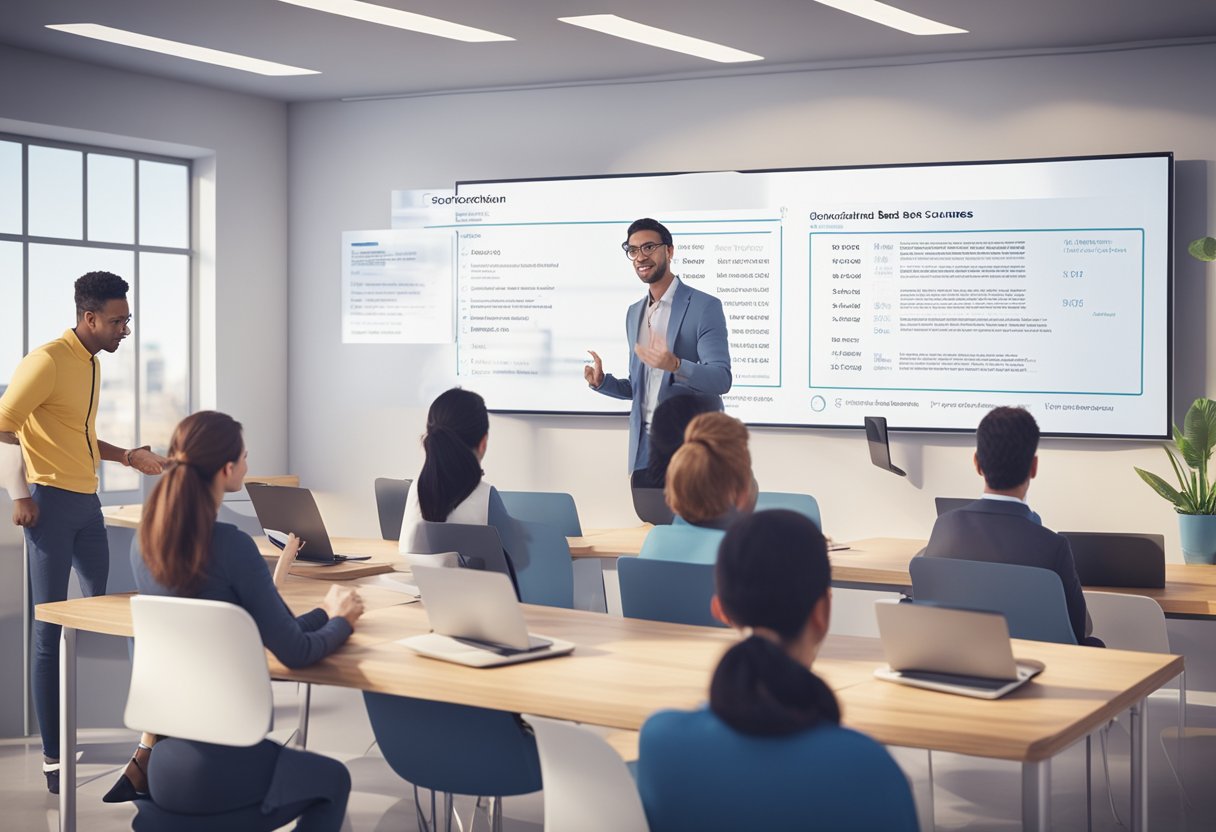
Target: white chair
<point x="198" y="673"/>
<point x="1136" y="622"/>
<point x="587" y="787"/>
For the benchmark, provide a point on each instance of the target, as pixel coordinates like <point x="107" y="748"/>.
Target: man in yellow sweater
<point x="49" y="457"/>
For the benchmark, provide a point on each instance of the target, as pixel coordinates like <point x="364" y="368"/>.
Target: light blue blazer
<point x="696" y="333"/>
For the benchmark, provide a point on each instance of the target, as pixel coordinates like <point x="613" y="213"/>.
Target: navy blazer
<point x="696" y="333"/>
<point x="1001" y="531"/>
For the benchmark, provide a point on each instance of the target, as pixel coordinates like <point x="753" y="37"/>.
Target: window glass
<point x="10" y="188"/>
<point x="56" y="192"/>
<point x="111" y="198"/>
<point x="11" y="310"/>
<point x="164" y="204"/>
<point x="164" y="345"/>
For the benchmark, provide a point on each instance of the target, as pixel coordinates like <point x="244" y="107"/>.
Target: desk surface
<point x="624" y="669"/>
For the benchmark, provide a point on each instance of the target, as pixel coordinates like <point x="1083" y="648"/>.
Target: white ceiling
<point x="362" y="59"/>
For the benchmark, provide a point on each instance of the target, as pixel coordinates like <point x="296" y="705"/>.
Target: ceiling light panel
<point x="399" y="19"/>
<point x="611" y="24"/>
<point x="180" y="50"/>
<point x="899" y="19"/>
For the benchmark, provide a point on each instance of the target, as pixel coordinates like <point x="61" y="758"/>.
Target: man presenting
<point x="49" y="456"/>
<point x="1000" y="527"/>
<point x="678" y="335"/>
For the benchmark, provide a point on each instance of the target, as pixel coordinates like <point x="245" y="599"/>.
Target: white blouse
<point x="474" y="510"/>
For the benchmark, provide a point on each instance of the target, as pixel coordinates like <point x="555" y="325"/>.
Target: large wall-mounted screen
<point x="923" y="293"/>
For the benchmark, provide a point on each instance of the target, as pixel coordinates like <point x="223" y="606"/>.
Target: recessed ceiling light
<point x="400" y="19"/>
<point x="899" y="19"/>
<point x="620" y="27"/>
<point x="180" y="50"/>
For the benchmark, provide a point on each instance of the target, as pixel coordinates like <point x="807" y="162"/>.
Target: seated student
<point x="450" y="487"/>
<point x="1000" y="526"/>
<point x="769" y="751"/>
<point x="667" y="428"/>
<point x="184" y="552"/>
<point x="709" y="479"/>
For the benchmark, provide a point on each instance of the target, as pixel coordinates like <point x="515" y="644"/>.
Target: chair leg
<point x="423" y="826"/>
<point x="302" y="726"/>
<point x="496" y="814"/>
<point x="1089" y="786"/>
<point x="448" y="799"/>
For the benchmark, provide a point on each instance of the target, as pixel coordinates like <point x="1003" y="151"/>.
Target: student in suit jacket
<point x="1000" y="526"/>
<point x="678" y="335"/>
<point x="769" y="752"/>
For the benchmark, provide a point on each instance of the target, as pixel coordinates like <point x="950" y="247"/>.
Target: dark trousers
<point x="70" y="533"/>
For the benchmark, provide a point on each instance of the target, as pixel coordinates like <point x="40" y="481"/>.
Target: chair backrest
<point x="540" y="557"/>
<point x="944" y="504"/>
<point x="1118" y="558"/>
<point x="663" y="590"/>
<point x="804" y="504"/>
<point x="588" y="787"/>
<point x="1128" y="622"/>
<point x="199" y="672"/>
<point x="454" y="748"/>
<point x="689" y="544"/>
<point x="553" y="508"/>
<point x="651" y="506"/>
<point x="1031" y="599"/>
<point x="479" y="547"/>
<point x="390" y="505"/>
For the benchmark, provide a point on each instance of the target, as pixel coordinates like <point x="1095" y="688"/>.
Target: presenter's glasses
<point x="645" y="249"/>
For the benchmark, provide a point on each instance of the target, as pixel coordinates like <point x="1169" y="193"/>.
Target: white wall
<point x="239" y="143"/>
<point x="356" y="411"/>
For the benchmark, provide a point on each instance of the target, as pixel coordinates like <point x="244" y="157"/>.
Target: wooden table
<point x="623" y="670"/>
<point x="882" y="563"/>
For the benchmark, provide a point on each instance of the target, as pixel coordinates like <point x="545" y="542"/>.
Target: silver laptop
<point x="951" y="650"/>
<point x="476" y="620"/>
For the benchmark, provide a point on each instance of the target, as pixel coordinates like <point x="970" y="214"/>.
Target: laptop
<point x="476" y="620"/>
<point x="950" y="650"/>
<point x="283" y="510"/>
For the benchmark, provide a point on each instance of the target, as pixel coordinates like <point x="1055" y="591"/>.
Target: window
<point x="70" y="209"/>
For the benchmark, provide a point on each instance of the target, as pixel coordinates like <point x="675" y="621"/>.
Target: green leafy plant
<point x="1203" y="249"/>
<point x="1194" y="444"/>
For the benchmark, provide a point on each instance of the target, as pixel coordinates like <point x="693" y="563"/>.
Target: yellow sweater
<point x="51" y="404"/>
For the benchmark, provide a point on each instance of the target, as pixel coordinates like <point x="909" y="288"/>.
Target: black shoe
<point x="51" y="770"/>
<point x="122" y="791"/>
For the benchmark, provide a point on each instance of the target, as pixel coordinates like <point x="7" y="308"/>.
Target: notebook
<point x="284" y="510"/>
<point x="950" y="650"/>
<point x="476" y="620"/>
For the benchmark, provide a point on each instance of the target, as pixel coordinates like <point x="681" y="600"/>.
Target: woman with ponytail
<point x="709" y="479"/>
<point x="450" y="488"/>
<point x="183" y="551"/>
<point x="769" y="751"/>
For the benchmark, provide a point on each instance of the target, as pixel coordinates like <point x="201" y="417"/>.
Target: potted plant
<point x="1203" y="249"/>
<point x="1195" y="497"/>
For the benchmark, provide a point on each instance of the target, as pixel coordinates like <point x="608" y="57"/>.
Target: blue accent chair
<point x="553" y="508"/>
<point x="664" y="590"/>
<point x="682" y="542"/>
<point x="804" y="504"/>
<point x="540" y="556"/>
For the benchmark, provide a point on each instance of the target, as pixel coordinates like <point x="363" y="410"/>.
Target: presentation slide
<point x="927" y="294"/>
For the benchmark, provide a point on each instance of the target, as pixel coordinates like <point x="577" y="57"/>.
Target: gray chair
<point x="390" y="505"/>
<point x="664" y="590"/>
<point x="1118" y="558"/>
<point x="478" y="547"/>
<point x="944" y="504"/>
<point x="651" y="507"/>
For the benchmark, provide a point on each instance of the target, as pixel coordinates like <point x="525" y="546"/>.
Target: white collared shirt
<point x="654" y="331"/>
<point x="1004" y="498"/>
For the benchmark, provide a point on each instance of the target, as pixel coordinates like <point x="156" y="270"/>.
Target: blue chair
<point x="391" y="495"/>
<point x="650" y="505"/>
<point x="1030" y="598"/>
<point x="682" y="542"/>
<point x="540" y="556"/>
<point x="454" y="749"/>
<point x="663" y="590"/>
<point x="554" y="508"/>
<point x="804" y="504"/>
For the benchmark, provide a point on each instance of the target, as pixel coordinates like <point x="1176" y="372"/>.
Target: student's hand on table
<point x="342" y="601"/>
<point x="594" y="373"/>
<point x="146" y="461"/>
<point x="25" y="512"/>
<point x="283" y="568"/>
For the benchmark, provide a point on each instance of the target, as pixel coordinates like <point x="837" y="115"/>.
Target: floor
<point x="969" y="794"/>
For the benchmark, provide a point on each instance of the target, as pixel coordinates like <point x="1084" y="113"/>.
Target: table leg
<point x="1036" y="796"/>
<point x="612" y="587"/>
<point x="1139" y="759"/>
<point x="67" y="730"/>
